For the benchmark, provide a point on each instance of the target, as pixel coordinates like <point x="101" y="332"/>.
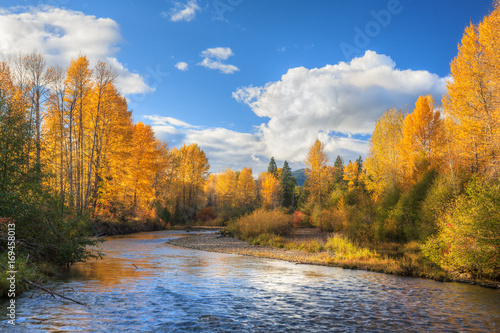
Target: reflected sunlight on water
<point x="176" y="290"/>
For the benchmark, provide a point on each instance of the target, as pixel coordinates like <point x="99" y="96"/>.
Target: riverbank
<point x="409" y="264"/>
<point x="41" y="271"/>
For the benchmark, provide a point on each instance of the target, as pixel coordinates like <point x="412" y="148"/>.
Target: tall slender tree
<point x="317" y="172"/>
<point x="288" y="183"/>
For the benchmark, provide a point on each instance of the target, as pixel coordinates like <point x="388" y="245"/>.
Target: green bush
<point x="410" y="222"/>
<point x="438" y="199"/>
<point x="345" y="249"/>
<point x="47" y="229"/>
<point x="468" y="240"/>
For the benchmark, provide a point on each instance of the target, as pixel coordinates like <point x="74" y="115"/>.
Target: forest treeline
<point x="73" y="163"/>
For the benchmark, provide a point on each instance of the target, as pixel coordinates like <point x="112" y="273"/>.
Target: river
<point x="146" y="285"/>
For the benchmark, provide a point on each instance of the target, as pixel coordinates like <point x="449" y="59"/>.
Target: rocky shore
<point x="215" y="242"/>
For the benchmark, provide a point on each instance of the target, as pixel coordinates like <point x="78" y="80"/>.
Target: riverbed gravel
<point x="215" y="242"/>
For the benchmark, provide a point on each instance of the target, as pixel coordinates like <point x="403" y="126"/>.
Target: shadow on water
<point x="144" y="284"/>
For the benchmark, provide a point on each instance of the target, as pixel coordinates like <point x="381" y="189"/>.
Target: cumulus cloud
<point x="182" y="66"/>
<point x="345" y="98"/>
<point x="62" y="35"/>
<point x="213" y="59"/>
<point x="224" y="147"/>
<point x="337" y="104"/>
<point x="183" y="12"/>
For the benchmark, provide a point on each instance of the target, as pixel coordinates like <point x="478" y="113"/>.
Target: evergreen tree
<point x="288" y="183"/>
<point x="360" y="164"/>
<point x="273" y="168"/>
<point x="338" y="170"/>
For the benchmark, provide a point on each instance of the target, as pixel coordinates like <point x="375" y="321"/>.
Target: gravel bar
<point x="214" y="242"/>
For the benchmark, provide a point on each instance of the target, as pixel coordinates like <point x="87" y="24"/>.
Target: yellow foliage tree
<point x="421" y="142"/>
<point x="318" y="175"/>
<point x="270" y="190"/>
<point x="382" y="167"/>
<point x="473" y="101"/>
<point x="191" y="175"/>
<point x="143" y="166"/>
<point x="351" y="174"/>
<point x="245" y="189"/>
<point x="226" y="188"/>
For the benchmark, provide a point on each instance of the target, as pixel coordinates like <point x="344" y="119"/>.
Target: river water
<point x="171" y="289"/>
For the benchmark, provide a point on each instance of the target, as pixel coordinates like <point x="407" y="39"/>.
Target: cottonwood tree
<point x="473" y="101"/>
<point x="382" y="165"/>
<point x="422" y="141"/>
<point x="318" y="179"/>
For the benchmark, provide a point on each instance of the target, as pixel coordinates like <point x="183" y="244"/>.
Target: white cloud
<point x="337" y="104"/>
<point x="213" y="58"/>
<point x="219" y="53"/>
<point x="346" y="98"/>
<point x="62" y="35"/>
<point x="182" y="66"/>
<point x="183" y="12"/>
<point x="224" y="147"/>
<point x="168" y="121"/>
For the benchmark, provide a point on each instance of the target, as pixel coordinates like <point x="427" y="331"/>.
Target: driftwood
<point x="52" y="293"/>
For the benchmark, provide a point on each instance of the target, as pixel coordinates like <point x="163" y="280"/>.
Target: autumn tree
<point x="102" y="100"/>
<point x="351" y="174"/>
<point x="192" y="173"/>
<point x="473" y="101"/>
<point x="422" y="140"/>
<point x="382" y="164"/>
<point x="246" y="188"/>
<point x="270" y="190"/>
<point x="317" y="173"/>
<point x="226" y="188"/>
<point x="77" y="84"/>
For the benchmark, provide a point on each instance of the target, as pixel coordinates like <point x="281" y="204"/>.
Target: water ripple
<point x="181" y="290"/>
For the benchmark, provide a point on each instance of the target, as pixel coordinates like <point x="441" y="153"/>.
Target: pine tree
<point x="288" y="183"/>
<point x="273" y="168"/>
<point x="338" y="170"/>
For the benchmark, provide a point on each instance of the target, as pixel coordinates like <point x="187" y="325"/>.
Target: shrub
<point x="311" y="246"/>
<point x="205" y="214"/>
<point x="270" y="240"/>
<point x="329" y="220"/>
<point x="438" y="199"/>
<point x="299" y="219"/>
<point x="410" y="222"/>
<point x="345" y="249"/>
<point x="262" y="222"/>
<point x="468" y="240"/>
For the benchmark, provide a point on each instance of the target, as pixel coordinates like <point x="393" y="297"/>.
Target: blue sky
<point x="259" y="78"/>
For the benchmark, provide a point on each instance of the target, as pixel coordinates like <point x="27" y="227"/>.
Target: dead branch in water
<point x="52" y="293"/>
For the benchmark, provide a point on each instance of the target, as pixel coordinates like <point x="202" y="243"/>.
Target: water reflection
<point x="177" y="290"/>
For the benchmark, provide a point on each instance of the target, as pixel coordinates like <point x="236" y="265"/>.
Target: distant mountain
<point x="300" y="175"/>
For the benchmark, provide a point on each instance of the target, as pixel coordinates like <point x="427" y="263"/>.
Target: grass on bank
<point x="274" y="227"/>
